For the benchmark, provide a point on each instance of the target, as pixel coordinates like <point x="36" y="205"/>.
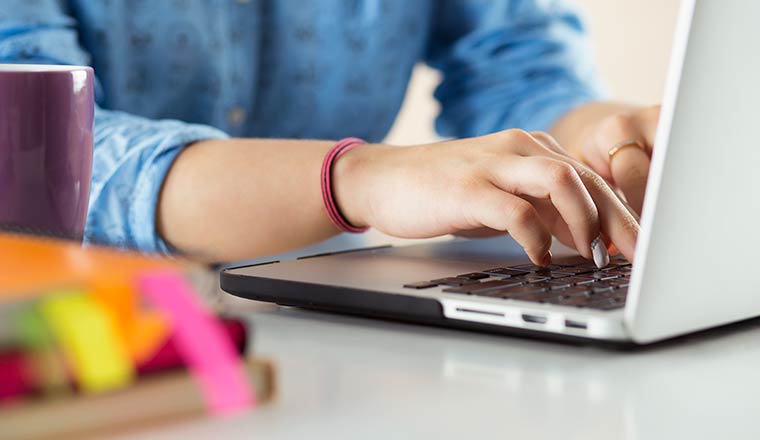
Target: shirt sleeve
<point x="131" y="154"/>
<point x="508" y="64"/>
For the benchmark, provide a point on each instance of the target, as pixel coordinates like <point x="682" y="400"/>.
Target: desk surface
<point x="346" y="377"/>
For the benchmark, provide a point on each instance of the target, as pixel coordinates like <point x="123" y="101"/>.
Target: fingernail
<point x="547" y="261"/>
<point x="599" y="251"/>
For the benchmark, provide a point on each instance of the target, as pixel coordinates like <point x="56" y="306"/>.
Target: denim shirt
<point x="172" y="72"/>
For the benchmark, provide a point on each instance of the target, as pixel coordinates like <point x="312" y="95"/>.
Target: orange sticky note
<point x="147" y="334"/>
<point x="143" y="331"/>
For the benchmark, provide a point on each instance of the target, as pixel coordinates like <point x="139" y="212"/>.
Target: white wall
<point x="631" y="38"/>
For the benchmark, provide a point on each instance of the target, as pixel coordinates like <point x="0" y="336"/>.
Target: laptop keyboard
<point x="579" y="285"/>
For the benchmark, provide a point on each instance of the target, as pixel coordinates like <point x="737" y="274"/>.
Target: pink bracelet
<point x="343" y="146"/>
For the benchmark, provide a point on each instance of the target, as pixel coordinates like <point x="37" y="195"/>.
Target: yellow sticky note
<point x="89" y="339"/>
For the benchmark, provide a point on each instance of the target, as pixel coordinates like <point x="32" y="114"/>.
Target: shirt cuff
<point x="147" y="189"/>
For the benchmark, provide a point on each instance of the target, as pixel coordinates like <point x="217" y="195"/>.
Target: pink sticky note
<point x="201" y="341"/>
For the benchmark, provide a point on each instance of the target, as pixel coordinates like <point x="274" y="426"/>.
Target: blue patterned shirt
<point x="171" y="72"/>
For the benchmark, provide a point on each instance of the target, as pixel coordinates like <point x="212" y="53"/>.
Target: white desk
<point x="355" y="378"/>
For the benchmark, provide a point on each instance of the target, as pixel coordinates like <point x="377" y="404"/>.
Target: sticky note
<point x="146" y="334"/>
<point x="142" y="330"/>
<point x="89" y="340"/>
<point x="45" y="362"/>
<point x="201" y="341"/>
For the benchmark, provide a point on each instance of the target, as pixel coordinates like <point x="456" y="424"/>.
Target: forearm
<point x="234" y="199"/>
<point x="574" y="128"/>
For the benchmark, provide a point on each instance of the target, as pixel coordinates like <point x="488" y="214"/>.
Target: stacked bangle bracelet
<point x="343" y="146"/>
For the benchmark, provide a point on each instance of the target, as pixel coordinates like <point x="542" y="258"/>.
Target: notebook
<point x="97" y="340"/>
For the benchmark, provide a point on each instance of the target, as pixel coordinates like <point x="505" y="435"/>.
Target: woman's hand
<point x="512" y="181"/>
<point x="615" y="141"/>
<point x="619" y="148"/>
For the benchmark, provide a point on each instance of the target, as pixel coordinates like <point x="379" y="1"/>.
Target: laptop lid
<point x="696" y="265"/>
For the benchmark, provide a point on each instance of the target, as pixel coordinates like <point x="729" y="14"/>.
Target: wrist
<point x="350" y="179"/>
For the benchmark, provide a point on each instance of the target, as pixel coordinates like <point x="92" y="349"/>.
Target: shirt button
<point x="236" y="116"/>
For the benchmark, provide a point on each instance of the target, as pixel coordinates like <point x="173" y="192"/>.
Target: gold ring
<point x="625" y="144"/>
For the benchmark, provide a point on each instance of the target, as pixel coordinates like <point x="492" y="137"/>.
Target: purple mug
<point x="46" y="116"/>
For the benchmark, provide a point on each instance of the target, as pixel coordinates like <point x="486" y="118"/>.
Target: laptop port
<point x="569" y="323"/>
<point x="534" y="319"/>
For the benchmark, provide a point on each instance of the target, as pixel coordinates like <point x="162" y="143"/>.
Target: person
<point x="205" y="110"/>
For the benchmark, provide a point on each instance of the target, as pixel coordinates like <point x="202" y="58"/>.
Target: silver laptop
<point x="695" y="258"/>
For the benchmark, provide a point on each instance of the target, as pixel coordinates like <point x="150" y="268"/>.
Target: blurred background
<point x="631" y="41"/>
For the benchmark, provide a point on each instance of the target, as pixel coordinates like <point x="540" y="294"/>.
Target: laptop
<point x="695" y="261"/>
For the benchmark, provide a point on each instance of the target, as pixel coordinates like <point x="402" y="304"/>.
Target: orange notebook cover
<point x="30" y="265"/>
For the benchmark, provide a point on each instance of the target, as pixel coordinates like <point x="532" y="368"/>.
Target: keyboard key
<point x="603" y="275"/>
<point x="578" y="270"/>
<point x="543" y="284"/>
<point x="494" y="284"/>
<point x="587" y="265"/>
<point x="474" y="276"/>
<point x="556" y="274"/>
<point x="576" y="290"/>
<point x="420" y="285"/>
<point x="530" y="288"/>
<point x="526" y="267"/>
<point x="538" y="269"/>
<point x="504" y="272"/>
<point x="619" y="282"/>
<point x="603" y="283"/>
<point x="613" y="267"/>
<point x="577" y="280"/>
<point x="516" y="292"/>
<point x="619" y="270"/>
<point x="534" y="278"/>
<point x="453" y="281"/>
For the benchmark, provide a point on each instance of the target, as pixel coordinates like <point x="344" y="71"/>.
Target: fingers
<point x="630" y="170"/>
<point x="635" y="189"/>
<point x="554" y="221"/>
<point x="555" y="180"/>
<point x="611" y="131"/>
<point x="548" y="141"/>
<point x="616" y="221"/>
<point x="501" y="211"/>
